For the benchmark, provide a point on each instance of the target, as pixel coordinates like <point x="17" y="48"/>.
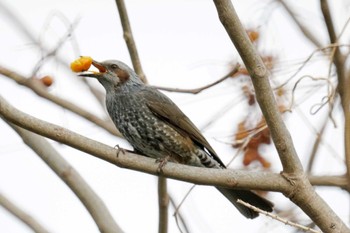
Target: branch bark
<point x="203" y="176"/>
<point x="72" y="178"/>
<point x="343" y="80"/>
<point x="302" y="193"/>
<point x="200" y="89"/>
<point x="260" y="78"/>
<point x="296" y="188"/>
<point x="335" y="181"/>
<point x="39" y="89"/>
<point x="129" y="39"/>
<point x="163" y="203"/>
<point x="21" y="215"/>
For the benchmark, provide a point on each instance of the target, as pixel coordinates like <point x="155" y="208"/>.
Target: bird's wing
<point x="168" y="111"/>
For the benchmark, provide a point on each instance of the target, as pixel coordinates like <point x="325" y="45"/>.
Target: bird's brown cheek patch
<point x="122" y="75"/>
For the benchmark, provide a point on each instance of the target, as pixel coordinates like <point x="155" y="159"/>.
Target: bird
<point x="156" y="127"/>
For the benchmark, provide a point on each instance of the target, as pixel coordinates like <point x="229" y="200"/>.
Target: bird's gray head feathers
<point x="114" y="74"/>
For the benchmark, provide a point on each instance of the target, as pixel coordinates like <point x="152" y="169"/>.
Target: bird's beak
<point x="101" y="68"/>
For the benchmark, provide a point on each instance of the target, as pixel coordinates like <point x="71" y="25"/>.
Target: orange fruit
<point x="81" y="64"/>
<point x="47" y="80"/>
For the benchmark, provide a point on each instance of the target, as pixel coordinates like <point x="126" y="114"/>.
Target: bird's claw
<point x="119" y="149"/>
<point x="162" y="162"/>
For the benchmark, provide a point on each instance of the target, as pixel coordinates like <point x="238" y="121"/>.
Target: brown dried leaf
<point x="253" y="35"/>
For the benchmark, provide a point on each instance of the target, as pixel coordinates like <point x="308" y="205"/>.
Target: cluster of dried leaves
<point x="250" y="135"/>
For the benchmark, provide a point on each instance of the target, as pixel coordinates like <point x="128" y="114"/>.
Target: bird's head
<point x="113" y="74"/>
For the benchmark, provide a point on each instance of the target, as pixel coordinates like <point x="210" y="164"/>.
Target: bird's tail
<point x="249" y="197"/>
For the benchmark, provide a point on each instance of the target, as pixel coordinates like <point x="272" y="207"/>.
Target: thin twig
<point x="68" y="25"/>
<point x="198" y="90"/>
<point x="328" y="98"/>
<point x="305" y="30"/>
<point x="330" y="181"/>
<point x="24" y="29"/>
<point x="163" y="204"/>
<point x="222" y="112"/>
<point x="343" y="79"/>
<point x="41" y="90"/>
<point x="54" y="51"/>
<point x="129" y="39"/>
<point x="316" y="146"/>
<point x="100" y="97"/>
<point x="304" y="63"/>
<point x="177" y="209"/>
<point x="287" y="222"/>
<point x="178" y="217"/>
<point x="244" y="144"/>
<point x="75" y="45"/>
<point x="21" y="215"/>
<point x="72" y="178"/>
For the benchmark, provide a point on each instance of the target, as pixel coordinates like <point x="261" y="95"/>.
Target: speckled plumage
<point x="157" y="128"/>
<point x="149" y="134"/>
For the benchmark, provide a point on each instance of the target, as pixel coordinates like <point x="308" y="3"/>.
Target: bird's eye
<point x="114" y="66"/>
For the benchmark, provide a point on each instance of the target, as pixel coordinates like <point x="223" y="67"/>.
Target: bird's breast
<point x="146" y="132"/>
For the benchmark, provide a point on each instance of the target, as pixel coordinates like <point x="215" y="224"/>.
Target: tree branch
<point x="129" y="39"/>
<point x="296" y="188"/>
<point x="307" y="33"/>
<point x="21" y="215"/>
<point x="178" y="217"/>
<point x="72" y="178"/>
<point x="39" y="89"/>
<point x="302" y="193"/>
<point x="200" y="89"/>
<point x="287" y="222"/>
<point x="163" y="203"/>
<point x="203" y="176"/>
<point x="343" y="81"/>
<point x="316" y="145"/>
<point x="260" y="78"/>
<point x="335" y="181"/>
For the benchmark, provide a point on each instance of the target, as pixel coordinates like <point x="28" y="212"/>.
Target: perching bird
<point x="156" y="127"/>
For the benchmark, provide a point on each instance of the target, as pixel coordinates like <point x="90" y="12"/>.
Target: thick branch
<point x="260" y="78"/>
<point x="296" y="188"/>
<point x="203" y="176"/>
<point x="302" y="192"/>
<point x="72" y="178"/>
<point x="23" y="216"/>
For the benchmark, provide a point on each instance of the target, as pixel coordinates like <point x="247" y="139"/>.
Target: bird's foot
<point x="119" y="149"/>
<point x="162" y="162"/>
